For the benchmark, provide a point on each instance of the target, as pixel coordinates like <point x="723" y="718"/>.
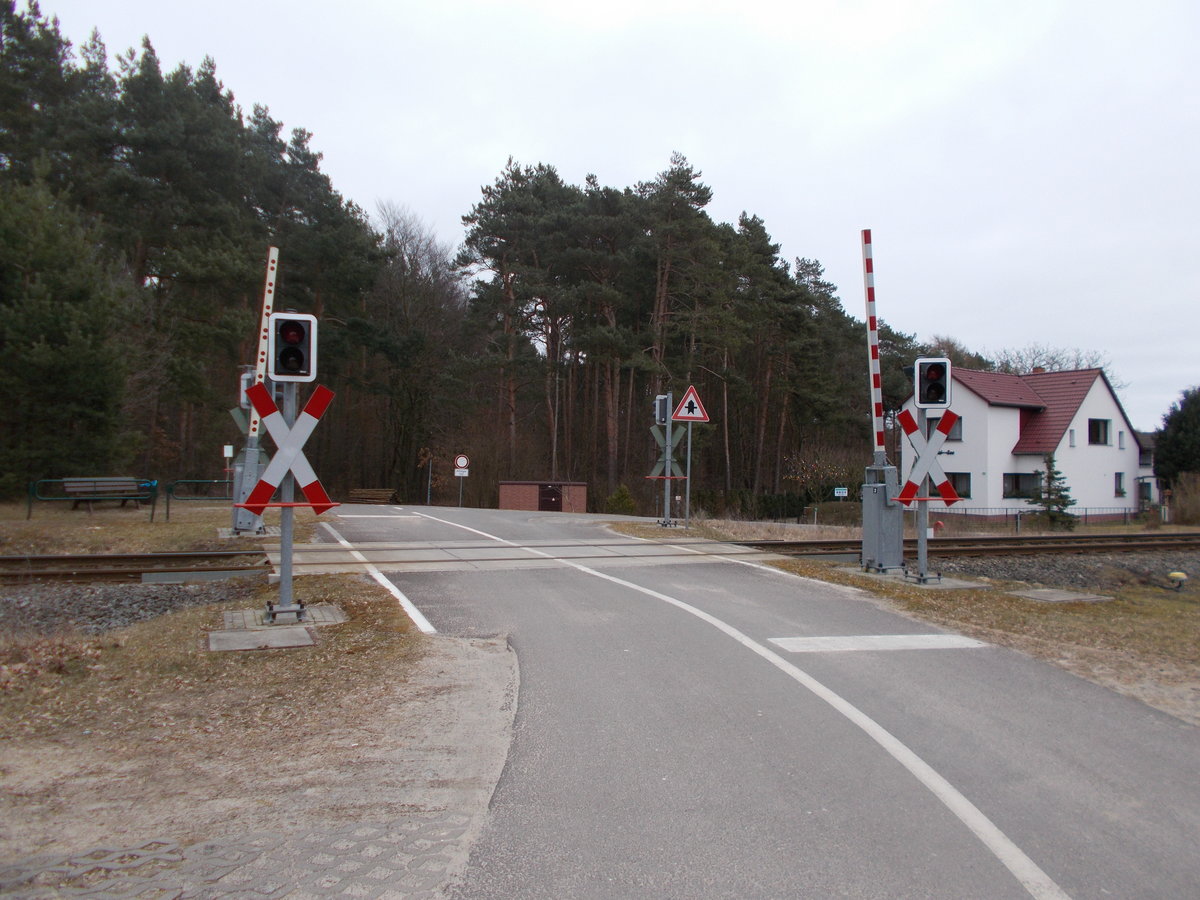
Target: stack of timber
<point x="372" y="495"/>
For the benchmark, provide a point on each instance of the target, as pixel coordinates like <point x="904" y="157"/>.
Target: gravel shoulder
<point x="129" y="742"/>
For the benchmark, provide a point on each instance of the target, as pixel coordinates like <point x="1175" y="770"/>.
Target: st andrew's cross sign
<point x="290" y="453"/>
<point x="926" y="462"/>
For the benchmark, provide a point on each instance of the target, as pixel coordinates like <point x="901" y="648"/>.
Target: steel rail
<point x="131" y="567"/>
<point x="999" y="546"/>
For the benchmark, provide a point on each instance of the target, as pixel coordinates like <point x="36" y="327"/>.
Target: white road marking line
<point x="418" y="618"/>
<point x="1035" y="881"/>
<point x="375" y="516"/>
<point x="852" y="642"/>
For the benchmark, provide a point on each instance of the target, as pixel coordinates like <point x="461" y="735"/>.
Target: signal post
<point x="287" y="356"/>
<point x="931" y="382"/>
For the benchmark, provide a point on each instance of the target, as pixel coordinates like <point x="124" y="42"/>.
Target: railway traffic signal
<point x="292" y="347"/>
<point x="662" y="409"/>
<point x="933" y="383"/>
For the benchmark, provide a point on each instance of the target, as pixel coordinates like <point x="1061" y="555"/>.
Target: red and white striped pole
<point x="264" y="330"/>
<point x="873" y="351"/>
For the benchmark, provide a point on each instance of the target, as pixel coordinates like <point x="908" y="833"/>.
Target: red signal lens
<point x="291" y="332"/>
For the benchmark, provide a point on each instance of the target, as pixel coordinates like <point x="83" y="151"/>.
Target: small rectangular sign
<point x="841" y="492"/>
<point x="462" y="473"/>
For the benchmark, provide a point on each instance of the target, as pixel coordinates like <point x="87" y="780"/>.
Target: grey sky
<point x="1027" y="167"/>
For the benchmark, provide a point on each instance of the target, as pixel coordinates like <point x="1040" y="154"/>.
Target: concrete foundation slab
<point x="1054" y="595"/>
<point x="317" y="614"/>
<point x="277" y="638"/>
<point x="901" y="577"/>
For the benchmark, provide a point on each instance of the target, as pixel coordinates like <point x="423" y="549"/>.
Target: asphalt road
<point x="679" y="734"/>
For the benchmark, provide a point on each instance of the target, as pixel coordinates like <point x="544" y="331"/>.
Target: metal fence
<point x="198" y="489"/>
<point x="1013" y="518"/>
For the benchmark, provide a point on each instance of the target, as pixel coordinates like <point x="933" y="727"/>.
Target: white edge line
<point x="418" y="618"/>
<point x="1025" y="870"/>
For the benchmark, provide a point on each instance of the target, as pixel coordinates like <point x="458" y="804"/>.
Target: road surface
<point x="697" y="726"/>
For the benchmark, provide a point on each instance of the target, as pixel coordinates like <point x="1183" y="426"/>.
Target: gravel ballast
<point x="93" y="609"/>
<point x="1090" y="572"/>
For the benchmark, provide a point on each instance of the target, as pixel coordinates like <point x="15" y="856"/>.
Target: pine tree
<point x="1177" y="446"/>
<point x="1053" y="498"/>
<point x="61" y="363"/>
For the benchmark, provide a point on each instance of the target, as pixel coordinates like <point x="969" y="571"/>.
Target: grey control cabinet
<point x="883" y="521"/>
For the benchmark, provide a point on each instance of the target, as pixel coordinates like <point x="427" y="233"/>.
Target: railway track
<point x="133" y="568"/>
<point x="999" y="546"/>
<point x="136" y="568"/>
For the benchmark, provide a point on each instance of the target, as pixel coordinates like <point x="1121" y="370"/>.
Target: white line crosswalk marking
<point x="852" y="642"/>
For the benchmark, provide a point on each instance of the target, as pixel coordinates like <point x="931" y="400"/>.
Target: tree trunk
<point x="760" y="431"/>
<point x="612" y="391"/>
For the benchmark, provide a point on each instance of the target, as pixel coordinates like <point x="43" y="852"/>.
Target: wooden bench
<point x="89" y="490"/>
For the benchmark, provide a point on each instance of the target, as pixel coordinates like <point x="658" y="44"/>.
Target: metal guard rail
<point x="191" y="484"/>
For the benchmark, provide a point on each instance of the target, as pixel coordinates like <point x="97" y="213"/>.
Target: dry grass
<point x="734" y="530"/>
<point x="111" y="528"/>
<point x="157" y="680"/>
<point x="147" y="732"/>
<point x="71" y="680"/>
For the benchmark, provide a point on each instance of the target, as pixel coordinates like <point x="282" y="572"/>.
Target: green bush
<point x="621" y="503"/>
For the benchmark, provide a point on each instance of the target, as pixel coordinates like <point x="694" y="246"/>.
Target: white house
<point x="1009" y="423"/>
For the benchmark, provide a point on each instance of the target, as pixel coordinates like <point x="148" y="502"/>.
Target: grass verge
<point x="111" y="528"/>
<point x="157" y="680"/>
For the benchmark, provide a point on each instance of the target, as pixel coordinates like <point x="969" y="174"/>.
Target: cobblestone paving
<point x="413" y="857"/>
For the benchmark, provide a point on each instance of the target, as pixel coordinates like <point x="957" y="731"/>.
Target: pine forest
<point x="136" y="210"/>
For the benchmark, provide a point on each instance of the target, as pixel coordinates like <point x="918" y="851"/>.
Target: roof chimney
<point x="1038" y="370"/>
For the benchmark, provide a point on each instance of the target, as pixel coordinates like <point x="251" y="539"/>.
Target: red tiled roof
<point x="1052" y="399"/>
<point x="999" y="390"/>
<point x="1063" y="393"/>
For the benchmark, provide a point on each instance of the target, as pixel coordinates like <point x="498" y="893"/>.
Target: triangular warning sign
<point x="690" y="409"/>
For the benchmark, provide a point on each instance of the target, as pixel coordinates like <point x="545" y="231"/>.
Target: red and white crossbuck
<point x="926" y="461"/>
<point x="290" y="453"/>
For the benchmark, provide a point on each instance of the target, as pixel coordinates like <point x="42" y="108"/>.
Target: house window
<point x="1120" y="440"/>
<point x="961" y="482"/>
<point x="1143" y="491"/>
<point x="1119" y="484"/>
<point x="955" y="434"/>
<point x="1071" y="436"/>
<point x="1098" y="431"/>
<point x="1021" y="484"/>
<point x="1145" y="458"/>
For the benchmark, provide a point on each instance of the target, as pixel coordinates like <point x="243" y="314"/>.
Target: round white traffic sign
<point x="462" y="461"/>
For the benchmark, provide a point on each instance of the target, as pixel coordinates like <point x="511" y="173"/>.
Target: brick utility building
<point x="544" y="496"/>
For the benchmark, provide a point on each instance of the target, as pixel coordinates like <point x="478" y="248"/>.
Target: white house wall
<point x="1090" y="469"/>
<point x="990" y="432"/>
<point x="968" y="455"/>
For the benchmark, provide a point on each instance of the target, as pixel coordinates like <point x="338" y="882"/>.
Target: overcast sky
<point x="1028" y="168"/>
